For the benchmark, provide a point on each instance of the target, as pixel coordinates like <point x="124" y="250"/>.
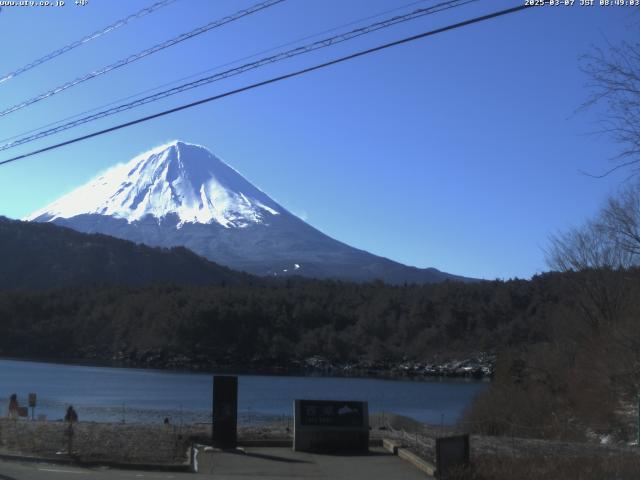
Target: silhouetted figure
<point x="166" y="420"/>
<point x="13" y="406"/>
<point x="71" y="416"/>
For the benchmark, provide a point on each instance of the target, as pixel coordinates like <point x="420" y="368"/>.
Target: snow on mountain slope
<point x="177" y="178"/>
<point x="180" y="194"/>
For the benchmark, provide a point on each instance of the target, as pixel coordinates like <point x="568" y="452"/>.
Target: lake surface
<point x="137" y="395"/>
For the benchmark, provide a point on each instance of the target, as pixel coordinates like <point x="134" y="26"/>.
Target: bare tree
<point x="610" y="241"/>
<point x="604" y="248"/>
<point x="620" y="220"/>
<point x="605" y="291"/>
<point x="614" y="76"/>
<point x="587" y="247"/>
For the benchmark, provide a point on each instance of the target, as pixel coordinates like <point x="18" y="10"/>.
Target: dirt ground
<point x="115" y="442"/>
<point x="507" y="457"/>
<point x="169" y="444"/>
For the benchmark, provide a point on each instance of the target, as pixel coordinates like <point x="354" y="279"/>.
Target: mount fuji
<point x="180" y="194"/>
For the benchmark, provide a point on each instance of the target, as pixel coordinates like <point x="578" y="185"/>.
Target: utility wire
<point x="110" y="28"/>
<point x="271" y="80"/>
<point x="208" y="70"/>
<point x="144" y="53"/>
<point x="327" y="42"/>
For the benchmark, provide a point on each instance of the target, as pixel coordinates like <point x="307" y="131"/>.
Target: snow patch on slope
<point x="176" y="178"/>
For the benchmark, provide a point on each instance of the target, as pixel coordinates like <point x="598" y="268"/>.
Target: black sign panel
<point x="451" y="452"/>
<point x="326" y="413"/>
<point x="225" y="411"/>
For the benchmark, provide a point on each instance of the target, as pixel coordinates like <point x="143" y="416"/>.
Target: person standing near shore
<point x="71" y="416"/>
<point x="13" y="406"/>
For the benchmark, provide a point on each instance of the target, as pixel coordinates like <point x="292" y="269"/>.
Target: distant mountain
<point x="42" y="256"/>
<point x="181" y="194"/>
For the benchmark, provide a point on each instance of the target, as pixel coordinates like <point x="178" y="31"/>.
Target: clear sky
<point x="461" y="151"/>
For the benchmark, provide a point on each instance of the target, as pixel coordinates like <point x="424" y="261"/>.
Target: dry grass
<point x="501" y="457"/>
<point x="622" y="467"/>
<point x="115" y="442"/>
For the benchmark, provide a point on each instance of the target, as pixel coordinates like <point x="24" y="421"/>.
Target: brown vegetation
<point x="621" y="467"/>
<point x="583" y="380"/>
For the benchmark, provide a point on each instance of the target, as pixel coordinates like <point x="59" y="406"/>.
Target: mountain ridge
<point x="180" y="194"/>
<point x="37" y="256"/>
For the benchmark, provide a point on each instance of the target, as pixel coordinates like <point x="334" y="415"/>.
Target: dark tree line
<point x="280" y="322"/>
<point x="36" y="255"/>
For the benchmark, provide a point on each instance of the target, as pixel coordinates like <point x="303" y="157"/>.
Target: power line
<point x="271" y="80"/>
<point x="109" y="28"/>
<point x="212" y="69"/>
<point x="144" y="53"/>
<point x="324" y="43"/>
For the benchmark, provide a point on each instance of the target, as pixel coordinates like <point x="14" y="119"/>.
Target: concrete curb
<point x="397" y="448"/>
<point x="10" y="457"/>
<point x="391" y="446"/>
<point x="421" y="464"/>
<point x="182" y="467"/>
<point x="284" y="442"/>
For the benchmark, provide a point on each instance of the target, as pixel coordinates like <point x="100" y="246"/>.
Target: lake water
<point x="137" y="395"/>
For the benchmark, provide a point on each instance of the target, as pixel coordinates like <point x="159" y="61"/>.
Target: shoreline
<point x="481" y="370"/>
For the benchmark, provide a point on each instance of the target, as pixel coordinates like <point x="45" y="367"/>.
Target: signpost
<point x="32" y="404"/>
<point x="326" y="425"/>
<point x="225" y="412"/>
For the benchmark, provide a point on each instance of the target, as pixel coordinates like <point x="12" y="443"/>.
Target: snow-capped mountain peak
<point x="176" y="178"/>
<point x="180" y="194"/>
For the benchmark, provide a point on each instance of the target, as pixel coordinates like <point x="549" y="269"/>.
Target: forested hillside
<point x="280" y="323"/>
<point x="566" y="342"/>
<point x="34" y="255"/>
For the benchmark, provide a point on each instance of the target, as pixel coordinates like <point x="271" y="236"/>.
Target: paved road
<point x="255" y="463"/>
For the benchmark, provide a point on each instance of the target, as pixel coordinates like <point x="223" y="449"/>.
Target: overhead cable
<point x="144" y="53"/>
<point x="92" y="36"/>
<point x="324" y="43"/>
<point x="270" y="81"/>
<point x="208" y="70"/>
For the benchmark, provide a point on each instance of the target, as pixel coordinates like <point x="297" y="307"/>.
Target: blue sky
<point x="461" y="151"/>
